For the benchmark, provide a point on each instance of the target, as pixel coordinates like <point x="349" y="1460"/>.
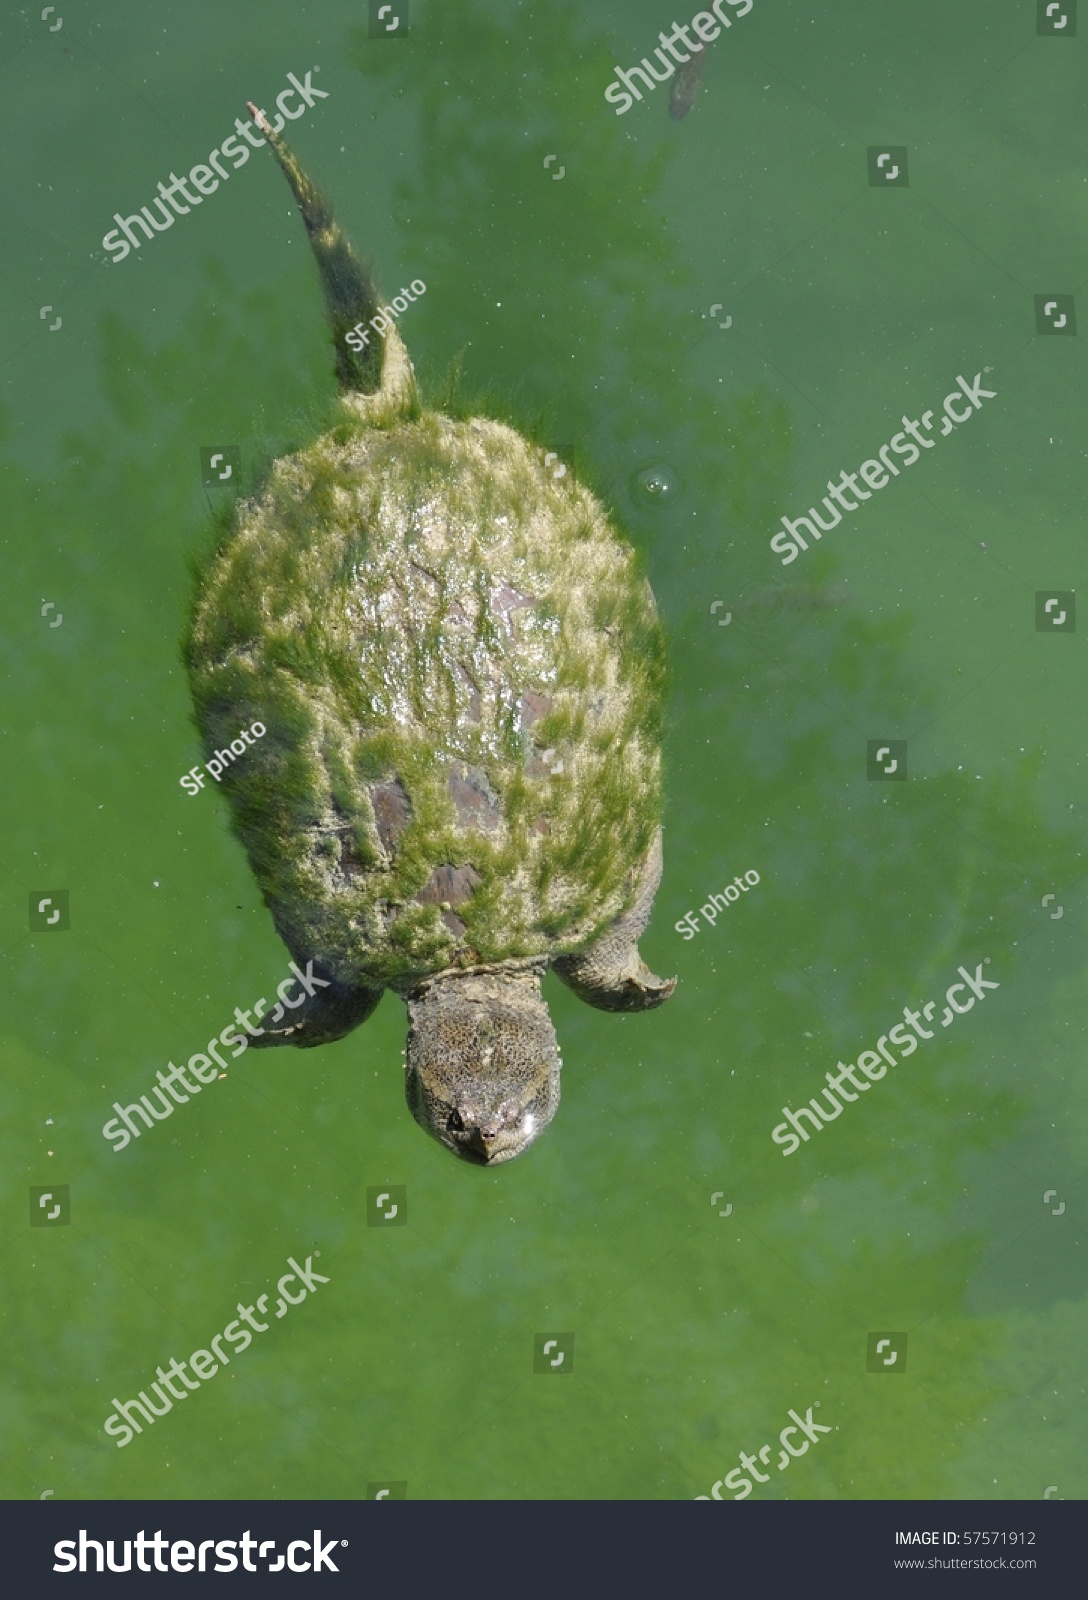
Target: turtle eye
<point x="454" y="1123"/>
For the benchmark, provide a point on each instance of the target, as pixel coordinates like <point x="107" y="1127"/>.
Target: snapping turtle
<point x="459" y="668"/>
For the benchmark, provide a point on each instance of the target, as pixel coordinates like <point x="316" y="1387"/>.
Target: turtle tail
<point x="351" y="295"/>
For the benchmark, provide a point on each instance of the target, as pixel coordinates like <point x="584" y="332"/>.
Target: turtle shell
<point x="459" y="667"/>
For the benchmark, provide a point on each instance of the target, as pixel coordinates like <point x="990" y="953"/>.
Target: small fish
<point x="686" y="86"/>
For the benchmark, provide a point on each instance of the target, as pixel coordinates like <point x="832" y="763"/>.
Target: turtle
<point x="459" y="668"/>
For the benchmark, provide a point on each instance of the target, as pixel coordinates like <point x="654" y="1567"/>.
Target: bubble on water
<point x="656" y="484"/>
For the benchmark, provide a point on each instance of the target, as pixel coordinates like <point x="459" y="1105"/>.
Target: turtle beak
<point x="490" y="1143"/>
<point x="481" y="1142"/>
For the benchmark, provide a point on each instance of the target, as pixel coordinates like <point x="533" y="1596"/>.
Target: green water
<point x="586" y="299"/>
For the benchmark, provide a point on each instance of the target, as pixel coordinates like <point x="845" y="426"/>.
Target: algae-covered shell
<point x="459" y="666"/>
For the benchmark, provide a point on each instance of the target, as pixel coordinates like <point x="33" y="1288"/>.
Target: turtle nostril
<point x="484" y="1134"/>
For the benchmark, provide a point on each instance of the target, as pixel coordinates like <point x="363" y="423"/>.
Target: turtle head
<point x="482" y="1063"/>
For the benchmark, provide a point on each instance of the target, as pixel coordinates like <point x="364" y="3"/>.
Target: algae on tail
<point x="351" y="294"/>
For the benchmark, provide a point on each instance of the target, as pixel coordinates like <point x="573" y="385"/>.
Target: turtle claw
<point x="611" y="975"/>
<point x="647" y="990"/>
<point x="629" y="985"/>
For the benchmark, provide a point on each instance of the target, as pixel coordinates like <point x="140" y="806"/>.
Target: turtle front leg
<point x="312" y="1008"/>
<point x="611" y="974"/>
